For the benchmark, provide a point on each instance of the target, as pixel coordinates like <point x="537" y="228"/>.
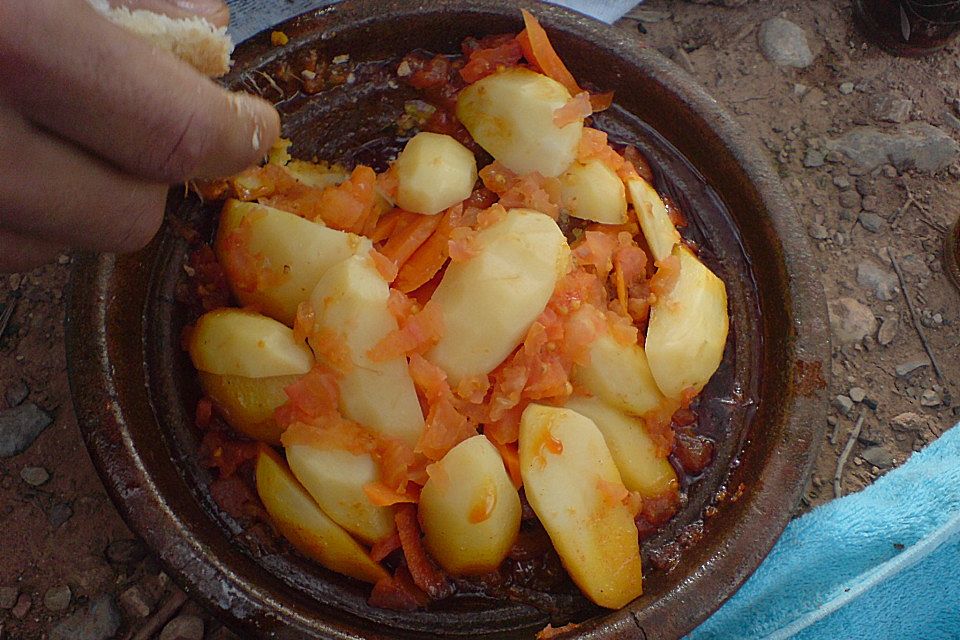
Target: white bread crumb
<point x="194" y="40"/>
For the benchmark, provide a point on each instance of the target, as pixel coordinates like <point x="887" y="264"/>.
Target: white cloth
<point x="249" y="17"/>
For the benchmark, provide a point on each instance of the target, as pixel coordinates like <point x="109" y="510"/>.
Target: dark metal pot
<point x="134" y="389"/>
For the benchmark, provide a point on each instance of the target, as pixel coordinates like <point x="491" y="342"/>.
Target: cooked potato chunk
<point x="319" y="176"/>
<point x="233" y="342"/>
<point x="641" y="469"/>
<point x="350" y="302"/>
<point x="469" y="509"/>
<point x="335" y="478"/>
<point x="573" y="485"/>
<point x="594" y="191"/>
<point x="434" y="172"/>
<point x="688" y="328"/>
<point x="248" y="403"/>
<point x="305" y="525"/>
<point x="294" y="253"/>
<point x="620" y="375"/>
<point x="490" y="301"/>
<point x="510" y="114"/>
<point x="657" y="227"/>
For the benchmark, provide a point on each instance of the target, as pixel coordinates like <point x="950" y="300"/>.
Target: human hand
<point x="95" y="124"/>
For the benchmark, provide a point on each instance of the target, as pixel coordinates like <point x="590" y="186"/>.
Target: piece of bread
<point x="194" y="40"/>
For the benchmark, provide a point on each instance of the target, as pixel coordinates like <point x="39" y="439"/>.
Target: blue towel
<point x="882" y="563"/>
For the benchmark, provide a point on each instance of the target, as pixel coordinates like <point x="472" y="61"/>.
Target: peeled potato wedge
<point x="688" y="328"/>
<point x="620" y="375"/>
<point x="490" y="301"/>
<point x="635" y="455"/>
<point x="434" y="172"/>
<point x="350" y="302"/>
<point x="469" y="509"/>
<point x="305" y="525"/>
<point x="248" y="403"/>
<point x="571" y="481"/>
<point x="335" y="478"/>
<point x="654" y="220"/>
<point x="510" y="114"/>
<point x="233" y="342"/>
<point x="593" y="191"/>
<point x="296" y="252"/>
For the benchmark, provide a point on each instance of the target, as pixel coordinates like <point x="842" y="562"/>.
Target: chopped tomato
<point x="383" y="496"/>
<point x="401" y="306"/>
<point x="485" y="61"/>
<point x="399" y="465"/>
<point x="576" y="109"/>
<point x="434" y="73"/>
<point x="444" y="428"/>
<point x="331" y="349"/>
<point x="473" y="389"/>
<point x="462" y="244"/>
<point x="418" y="333"/>
<point x="596" y="250"/>
<point x="313" y="396"/>
<point x="429" y="379"/>
<point x="529" y="191"/>
<point x="593" y="146"/>
<point x="666" y="276"/>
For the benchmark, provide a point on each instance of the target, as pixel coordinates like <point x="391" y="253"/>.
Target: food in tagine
<point x="469" y="365"/>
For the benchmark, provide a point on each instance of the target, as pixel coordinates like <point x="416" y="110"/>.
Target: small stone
<point x="846" y="88"/>
<point x="904" y="369"/>
<point x="784" y="43"/>
<point x="930" y="398"/>
<point x="20" y="426"/>
<point x="16" y="392"/>
<point x="841" y="182"/>
<point x="870" y="203"/>
<point x="857" y="394"/>
<point x="59" y="514"/>
<point x="57" y="598"/>
<point x="888" y="330"/>
<point x="872" y="222"/>
<point x="851" y="321"/>
<point x="882" y="283"/>
<point x="99" y="620"/>
<point x="890" y="171"/>
<point x="22" y="607"/>
<point x="135" y="602"/>
<point x="813" y="158"/>
<point x="850" y="200"/>
<point x="126" y="551"/>
<point x="8" y="597"/>
<point x="183" y="628"/>
<point x="843" y="404"/>
<point x="63" y="259"/>
<point x="819" y="232"/>
<point x="871" y="403"/>
<point x="34" y="476"/>
<point x="892" y="109"/>
<point x="916" y="145"/>
<point x="907" y="422"/>
<point x="877" y="456"/>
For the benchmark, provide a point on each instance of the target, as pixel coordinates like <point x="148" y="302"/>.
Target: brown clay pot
<point x="135" y="391"/>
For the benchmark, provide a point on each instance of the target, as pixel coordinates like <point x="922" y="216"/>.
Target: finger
<point x="122" y="99"/>
<point x="56" y="192"/>
<point x="213" y="11"/>
<point x="22" y="253"/>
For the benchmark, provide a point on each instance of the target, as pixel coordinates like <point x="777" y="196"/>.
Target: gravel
<point x="183" y="628"/>
<point x="892" y="109"/>
<point x="846" y="88"/>
<point x="872" y="222"/>
<point x="870" y="202"/>
<point x="99" y="620"/>
<point x="904" y="369"/>
<point x="784" y="43"/>
<point x="908" y="422"/>
<point x="930" y="398"/>
<point x="850" y="200"/>
<point x="16" y="392"/>
<point x="20" y="426"/>
<point x="126" y="551"/>
<point x="878" y="456"/>
<point x="888" y="330"/>
<point x="59" y="514"/>
<point x="57" y="598"/>
<point x="8" y="597"/>
<point x="819" y="232"/>
<point x="877" y="280"/>
<point x="135" y="602"/>
<point x="843" y="404"/>
<point x="34" y="476"/>
<point x="22" y="607"/>
<point x="813" y="158"/>
<point x="851" y="321"/>
<point x="857" y="394"/>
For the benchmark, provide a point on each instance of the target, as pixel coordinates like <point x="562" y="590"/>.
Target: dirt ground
<point x="70" y="566"/>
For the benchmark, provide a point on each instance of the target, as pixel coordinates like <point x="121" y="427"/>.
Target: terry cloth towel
<point x="249" y="17"/>
<point x="880" y="564"/>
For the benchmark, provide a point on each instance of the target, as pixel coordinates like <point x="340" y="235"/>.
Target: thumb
<point x="215" y="12"/>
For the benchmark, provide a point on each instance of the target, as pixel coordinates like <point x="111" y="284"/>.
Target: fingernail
<point x="204" y="8"/>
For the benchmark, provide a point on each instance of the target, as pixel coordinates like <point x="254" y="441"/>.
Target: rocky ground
<point x="867" y="147"/>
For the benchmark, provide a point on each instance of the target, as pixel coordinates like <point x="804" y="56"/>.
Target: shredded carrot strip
<point x="383" y="496"/>
<point x="382" y="548"/>
<point x="511" y="461"/>
<point x="411" y="231"/>
<point x="430" y="257"/>
<point x="384" y="265"/>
